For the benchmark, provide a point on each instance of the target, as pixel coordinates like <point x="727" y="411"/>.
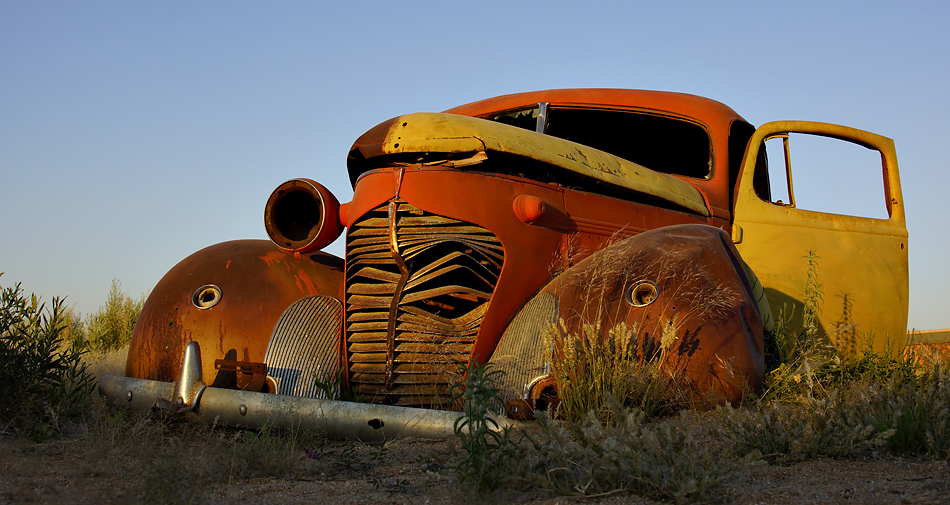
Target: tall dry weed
<point x="592" y="368"/>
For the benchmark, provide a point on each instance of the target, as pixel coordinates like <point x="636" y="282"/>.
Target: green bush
<point x="42" y="379"/>
<point x="110" y="328"/>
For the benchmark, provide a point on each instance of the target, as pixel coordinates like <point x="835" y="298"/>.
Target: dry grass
<point x="178" y="461"/>
<point x="593" y="369"/>
<point x="111" y="362"/>
<point x="875" y="405"/>
<point x="679" y="459"/>
<point x="662" y="459"/>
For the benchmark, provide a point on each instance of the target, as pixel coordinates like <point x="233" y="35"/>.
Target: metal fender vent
<point x="522" y="355"/>
<point x="417" y="286"/>
<point x="305" y="343"/>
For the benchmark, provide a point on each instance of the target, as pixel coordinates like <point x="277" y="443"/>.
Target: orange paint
<point x="273" y="257"/>
<point x="302" y="276"/>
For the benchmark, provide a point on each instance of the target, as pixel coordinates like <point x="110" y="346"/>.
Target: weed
<point x="591" y="367"/>
<point x="906" y="415"/>
<point x="819" y="370"/>
<point x="345" y="455"/>
<point x="262" y="453"/>
<point x="331" y="384"/>
<point x="661" y="459"/>
<point x="428" y="464"/>
<point x="397" y="485"/>
<point x="813" y="427"/>
<point x="177" y="473"/>
<point x="821" y="403"/>
<point x="803" y="363"/>
<point x="42" y="381"/>
<point x="486" y="452"/>
<point x="178" y="461"/>
<point x="121" y="432"/>
<point x="915" y="409"/>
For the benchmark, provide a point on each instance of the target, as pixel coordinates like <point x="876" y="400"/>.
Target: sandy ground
<point x="413" y="471"/>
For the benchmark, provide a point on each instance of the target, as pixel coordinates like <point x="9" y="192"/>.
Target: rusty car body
<point x="471" y="232"/>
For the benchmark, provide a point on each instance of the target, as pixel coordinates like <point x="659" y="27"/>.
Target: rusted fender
<point x="684" y="290"/>
<point x="335" y="419"/>
<point x="227" y="297"/>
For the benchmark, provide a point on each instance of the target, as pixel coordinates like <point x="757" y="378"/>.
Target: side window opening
<point x="825" y="174"/>
<point x="739" y="134"/>
<point x="760" y="180"/>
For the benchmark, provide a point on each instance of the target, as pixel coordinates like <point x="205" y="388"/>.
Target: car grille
<point x="417" y="287"/>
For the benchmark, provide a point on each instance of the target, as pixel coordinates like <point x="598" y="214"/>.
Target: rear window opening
<point x="660" y="143"/>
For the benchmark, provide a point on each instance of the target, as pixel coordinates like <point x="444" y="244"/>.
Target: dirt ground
<point x="413" y="471"/>
<point x="74" y="470"/>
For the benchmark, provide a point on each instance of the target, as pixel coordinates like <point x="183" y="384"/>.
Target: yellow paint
<point x="449" y="133"/>
<point x="865" y="258"/>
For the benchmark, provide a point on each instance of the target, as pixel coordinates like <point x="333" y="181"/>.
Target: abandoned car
<point x="473" y="232"/>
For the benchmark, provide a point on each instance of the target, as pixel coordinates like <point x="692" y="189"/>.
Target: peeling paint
<point x="302" y="276"/>
<point x="272" y="257"/>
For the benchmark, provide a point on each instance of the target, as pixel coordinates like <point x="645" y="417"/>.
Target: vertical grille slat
<point x="305" y="344"/>
<point x="417" y="285"/>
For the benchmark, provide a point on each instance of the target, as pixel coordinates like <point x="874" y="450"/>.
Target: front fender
<point x="227" y="297"/>
<point x="684" y="292"/>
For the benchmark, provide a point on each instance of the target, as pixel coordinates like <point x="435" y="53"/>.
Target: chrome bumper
<point x="244" y="409"/>
<point x="337" y="419"/>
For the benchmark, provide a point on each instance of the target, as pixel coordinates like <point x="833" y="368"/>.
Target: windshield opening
<point x="660" y="143"/>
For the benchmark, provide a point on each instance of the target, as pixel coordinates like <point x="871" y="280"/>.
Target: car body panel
<point x="864" y="259"/>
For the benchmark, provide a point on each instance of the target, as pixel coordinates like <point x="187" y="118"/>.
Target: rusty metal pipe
<point x="336" y="419"/>
<point x="302" y="216"/>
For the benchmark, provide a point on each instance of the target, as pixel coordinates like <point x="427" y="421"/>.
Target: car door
<point x="860" y="262"/>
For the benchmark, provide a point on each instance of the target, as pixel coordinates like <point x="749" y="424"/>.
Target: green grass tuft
<point x="486" y="453"/>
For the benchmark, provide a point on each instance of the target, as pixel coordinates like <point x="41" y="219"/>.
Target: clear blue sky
<point x="135" y="133"/>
